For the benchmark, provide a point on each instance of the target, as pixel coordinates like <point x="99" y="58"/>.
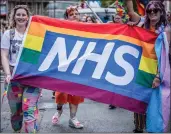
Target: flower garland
<point x="121" y="11"/>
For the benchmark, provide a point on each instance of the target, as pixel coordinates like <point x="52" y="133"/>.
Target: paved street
<point x="95" y="116"/>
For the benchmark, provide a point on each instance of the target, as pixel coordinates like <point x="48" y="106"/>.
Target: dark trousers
<point x="53" y="93"/>
<point x="139" y="121"/>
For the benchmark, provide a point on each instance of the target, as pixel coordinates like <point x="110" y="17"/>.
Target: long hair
<point x="13" y="12"/>
<point x="163" y="19"/>
<point x="93" y="19"/>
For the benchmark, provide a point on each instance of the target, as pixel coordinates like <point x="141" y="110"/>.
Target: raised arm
<point x="133" y="15"/>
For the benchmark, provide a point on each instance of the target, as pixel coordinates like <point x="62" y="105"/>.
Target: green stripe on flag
<point x="30" y="56"/>
<point x="144" y="78"/>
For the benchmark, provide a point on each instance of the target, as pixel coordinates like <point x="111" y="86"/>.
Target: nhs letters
<point x="77" y="56"/>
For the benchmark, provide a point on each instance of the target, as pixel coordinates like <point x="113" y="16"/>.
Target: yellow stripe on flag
<point x="148" y="65"/>
<point x="33" y="42"/>
<point x="42" y="28"/>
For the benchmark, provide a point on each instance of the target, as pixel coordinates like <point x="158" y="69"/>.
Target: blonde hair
<point x="13" y="12"/>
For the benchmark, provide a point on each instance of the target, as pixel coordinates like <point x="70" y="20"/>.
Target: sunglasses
<point x="155" y="10"/>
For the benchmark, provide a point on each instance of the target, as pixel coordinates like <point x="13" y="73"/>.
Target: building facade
<point x="43" y="7"/>
<point x="52" y="8"/>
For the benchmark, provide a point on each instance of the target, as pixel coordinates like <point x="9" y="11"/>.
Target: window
<point x="57" y="9"/>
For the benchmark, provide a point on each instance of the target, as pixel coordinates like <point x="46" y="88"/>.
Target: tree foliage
<point x="106" y="3"/>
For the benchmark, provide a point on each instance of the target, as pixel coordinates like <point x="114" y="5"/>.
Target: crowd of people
<point x="23" y="99"/>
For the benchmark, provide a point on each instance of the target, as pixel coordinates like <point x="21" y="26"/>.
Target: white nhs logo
<point x="59" y="50"/>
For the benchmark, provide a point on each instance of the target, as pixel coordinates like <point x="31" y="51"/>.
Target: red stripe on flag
<point x="114" y="29"/>
<point x="84" y="91"/>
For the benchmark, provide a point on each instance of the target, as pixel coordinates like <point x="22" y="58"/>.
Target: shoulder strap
<point x="12" y="34"/>
<point x="141" y="22"/>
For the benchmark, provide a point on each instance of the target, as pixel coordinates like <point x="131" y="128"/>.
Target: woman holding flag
<point x="71" y="14"/>
<point x="155" y="20"/>
<point x="22" y="99"/>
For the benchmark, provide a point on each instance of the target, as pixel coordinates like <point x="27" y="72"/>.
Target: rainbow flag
<point x="109" y="63"/>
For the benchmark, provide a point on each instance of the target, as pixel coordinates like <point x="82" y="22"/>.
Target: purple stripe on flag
<point x="163" y="60"/>
<point x="84" y="91"/>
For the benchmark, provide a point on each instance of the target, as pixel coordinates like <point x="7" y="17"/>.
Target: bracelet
<point x="158" y="77"/>
<point x="158" y="73"/>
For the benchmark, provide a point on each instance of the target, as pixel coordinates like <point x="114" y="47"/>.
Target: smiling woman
<point x="22" y="99"/>
<point x="19" y="16"/>
<point x="155" y="21"/>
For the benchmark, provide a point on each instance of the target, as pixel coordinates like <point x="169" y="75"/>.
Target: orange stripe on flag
<point x="147" y="47"/>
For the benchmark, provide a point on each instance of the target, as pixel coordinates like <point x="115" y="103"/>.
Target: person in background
<point x="22" y="99"/>
<point x="83" y="18"/>
<point x="169" y="17"/>
<point x="53" y="95"/>
<point x="71" y="14"/>
<point x="90" y="19"/>
<point x="169" y="23"/>
<point x="155" y="21"/>
<point x="117" y="19"/>
<point x="83" y="4"/>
